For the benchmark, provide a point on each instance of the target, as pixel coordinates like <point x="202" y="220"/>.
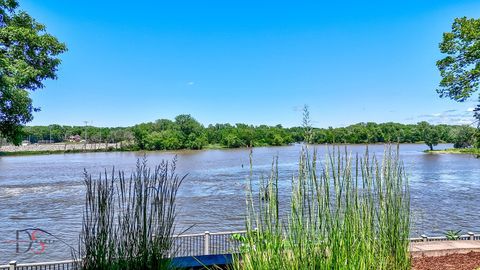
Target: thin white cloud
<point x="452" y="117"/>
<point x="190" y="83"/>
<point x="450" y="111"/>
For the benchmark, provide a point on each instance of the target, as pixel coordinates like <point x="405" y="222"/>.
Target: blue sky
<point x="254" y="62"/>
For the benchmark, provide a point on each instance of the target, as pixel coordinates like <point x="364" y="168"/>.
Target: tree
<point x="163" y="140"/>
<point x="192" y="132"/>
<point x="476" y="114"/>
<point x="460" y="69"/>
<point x="464" y="137"/>
<point x="232" y="141"/>
<point x="246" y="134"/>
<point x="428" y="134"/>
<point x="140" y="133"/>
<point x="28" y="56"/>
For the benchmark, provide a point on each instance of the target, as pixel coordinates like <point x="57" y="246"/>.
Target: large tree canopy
<point x="28" y="56"/>
<point x="460" y="69"/>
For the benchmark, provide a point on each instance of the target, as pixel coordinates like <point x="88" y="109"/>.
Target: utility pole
<point x="86" y="122"/>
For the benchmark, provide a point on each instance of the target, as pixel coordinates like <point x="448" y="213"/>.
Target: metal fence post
<point x="12" y="265"/>
<point x="206" y="244"/>
<point x="424" y="237"/>
<point x="471" y="236"/>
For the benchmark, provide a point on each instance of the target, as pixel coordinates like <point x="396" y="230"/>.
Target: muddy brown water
<point x="47" y="191"/>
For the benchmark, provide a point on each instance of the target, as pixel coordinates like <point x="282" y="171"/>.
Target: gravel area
<point x="468" y="261"/>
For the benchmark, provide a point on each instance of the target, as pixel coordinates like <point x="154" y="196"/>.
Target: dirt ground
<point x="468" y="261"/>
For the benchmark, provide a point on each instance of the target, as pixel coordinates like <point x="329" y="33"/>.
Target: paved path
<point x="440" y="248"/>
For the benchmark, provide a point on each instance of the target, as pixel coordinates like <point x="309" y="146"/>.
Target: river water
<point x="47" y="191"/>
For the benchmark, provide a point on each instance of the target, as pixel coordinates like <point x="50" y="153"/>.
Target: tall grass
<point x="128" y="223"/>
<point x="347" y="213"/>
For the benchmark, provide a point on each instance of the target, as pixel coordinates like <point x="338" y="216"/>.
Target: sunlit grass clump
<point x="346" y="213"/>
<point x="129" y="223"/>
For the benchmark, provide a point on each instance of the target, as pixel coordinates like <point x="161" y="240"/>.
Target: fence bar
<point x="424" y="237"/>
<point x="206" y="244"/>
<point x="12" y="265"/>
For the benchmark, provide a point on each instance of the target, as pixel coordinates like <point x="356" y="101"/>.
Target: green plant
<point x="129" y="224"/>
<point x="349" y="213"/>
<point x="165" y="134"/>
<point x="453" y="235"/>
<point x="242" y="240"/>
<point x="459" y="69"/>
<point x="29" y="55"/>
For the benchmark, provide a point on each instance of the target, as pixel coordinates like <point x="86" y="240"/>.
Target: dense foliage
<point x="28" y="56"/>
<point x="166" y="134"/>
<point x="460" y="69"/>
<point x="184" y="132"/>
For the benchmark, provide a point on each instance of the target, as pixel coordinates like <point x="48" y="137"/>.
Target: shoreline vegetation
<point x="53" y="152"/>
<point x="132" y="149"/>
<point x="460" y="151"/>
<point x="186" y="133"/>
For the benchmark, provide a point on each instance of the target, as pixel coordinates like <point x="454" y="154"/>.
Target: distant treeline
<point x="184" y="132"/>
<point x="58" y="133"/>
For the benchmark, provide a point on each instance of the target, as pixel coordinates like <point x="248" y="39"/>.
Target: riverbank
<point x="72" y="148"/>
<point x="52" y="152"/>
<point x="461" y="151"/>
<point x="61" y="148"/>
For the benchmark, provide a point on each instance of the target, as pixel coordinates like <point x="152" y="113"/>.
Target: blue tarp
<point x="205" y="260"/>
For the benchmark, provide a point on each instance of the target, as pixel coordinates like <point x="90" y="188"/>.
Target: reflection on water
<point x="47" y="191"/>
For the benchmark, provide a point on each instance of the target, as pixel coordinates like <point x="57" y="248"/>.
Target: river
<point x="47" y="191"/>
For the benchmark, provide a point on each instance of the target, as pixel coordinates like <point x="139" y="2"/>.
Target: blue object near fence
<point x="204" y="260"/>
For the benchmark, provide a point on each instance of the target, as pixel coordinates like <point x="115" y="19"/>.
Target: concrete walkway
<point x="441" y="248"/>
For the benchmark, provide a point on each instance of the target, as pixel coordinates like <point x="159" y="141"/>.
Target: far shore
<point x="53" y="152"/>
<point x="72" y="148"/>
<point x="60" y="148"/>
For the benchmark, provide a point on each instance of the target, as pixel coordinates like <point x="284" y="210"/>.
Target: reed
<point x="347" y="213"/>
<point x="128" y="223"/>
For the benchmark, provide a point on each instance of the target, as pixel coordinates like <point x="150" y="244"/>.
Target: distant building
<point x="75" y="138"/>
